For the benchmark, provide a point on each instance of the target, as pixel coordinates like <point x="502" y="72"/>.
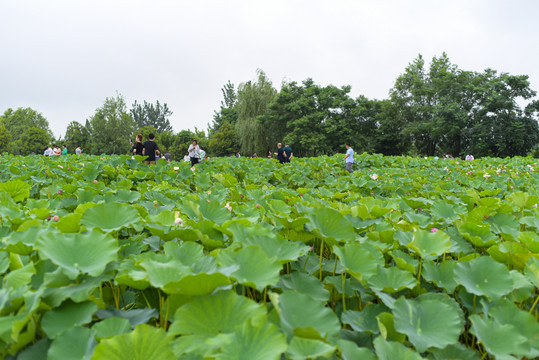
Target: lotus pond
<point x="108" y="259"/>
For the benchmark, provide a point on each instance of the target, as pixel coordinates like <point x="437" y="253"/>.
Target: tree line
<point x="432" y="109"/>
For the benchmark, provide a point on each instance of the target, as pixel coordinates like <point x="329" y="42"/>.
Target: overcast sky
<point x="63" y="58"/>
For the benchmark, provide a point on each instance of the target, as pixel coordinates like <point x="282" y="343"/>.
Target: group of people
<point x="284" y="155"/>
<point x="56" y="151"/>
<point x="148" y="148"/>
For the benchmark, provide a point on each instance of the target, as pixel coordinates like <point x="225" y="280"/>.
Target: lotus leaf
<point x="110" y="217"/>
<point x="75" y="343"/>
<point x="430" y="245"/>
<point x="484" y="276"/>
<point x="301" y="348"/>
<point x="68" y="315"/>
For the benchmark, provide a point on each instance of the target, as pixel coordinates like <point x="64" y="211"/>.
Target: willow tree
<point x="253" y="101"/>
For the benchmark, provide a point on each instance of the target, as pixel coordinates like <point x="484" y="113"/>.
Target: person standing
<point x="288" y="150"/>
<point x="138" y="147"/>
<point x="281" y="155"/>
<point x="349" y="158"/>
<point x="469" y="157"/>
<point x="167" y="156"/>
<point x="194" y="153"/>
<point x="150" y="148"/>
<point x="78" y="150"/>
<point x="57" y="151"/>
<point x="202" y="154"/>
<point x="64" y="150"/>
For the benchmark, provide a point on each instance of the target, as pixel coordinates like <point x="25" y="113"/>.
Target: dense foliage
<point x="407" y="258"/>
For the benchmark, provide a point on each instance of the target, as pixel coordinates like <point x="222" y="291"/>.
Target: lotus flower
<point x="60" y="166"/>
<point x="176" y="168"/>
<point x="178" y="222"/>
<point x="486" y="176"/>
<point x="374" y="176"/>
<point x="59" y="191"/>
<point x="55" y="218"/>
<point x="193" y="168"/>
<point x="228" y="206"/>
<point x="258" y="206"/>
<point x="95" y="181"/>
<point x="433" y="230"/>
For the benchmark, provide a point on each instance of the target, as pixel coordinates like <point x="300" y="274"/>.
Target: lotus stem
<point x="321" y="253"/>
<point x="534" y="303"/>
<point x="419" y="270"/>
<point x="343" y="297"/>
<point x="265" y="293"/>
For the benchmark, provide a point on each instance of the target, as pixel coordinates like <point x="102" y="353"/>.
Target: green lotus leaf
<point x="111" y="327"/>
<point x="21" y="242"/>
<point x="532" y="271"/>
<point x="257" y="342"/>
<point x="530" y="239"/>
<point x="214" y="211"/>
<point x="256" y="269"/>
<point x="484" y="276"/>
<point x="510" y="252"/>
<point x="134" y="316"/>
<point x="305" y="284"/>
<point x="442" y="274"/>
<point x="90" y="173"/>
<point x="392" y="280"/>
<point x="68" y="315"/>
<point x="75" y="343"/>
<point x="454" y="352"/>
<point x="211" y="315"/>
<point x="127" y="196"/>
<point x="144" y="343"/>
<point x="56" y="293"/>
<point x="272" y="244"/>
<point x="360" y="260"/>
<point x="301" y="348"/>
<point x="69" y="223"/>
<point x="37" y="351"/>
<point x="187" y="253"/>
<point x="430" y="320"/>
<point x="499" y="339"/>
<point x="364" y="321"/>
<point x="350" y="351"/>
<point x="330" y="224"/>
<point x="389" y="350"/>
<point x="404" y="261"/>
<point x="442" y="210"/>
<point x="386" y="326"/>
<point x="507" y="313"/>
<point x="17" y="189"/>
<point x="198" y="284"/>
<point x="301" y="316"/>
<point x="478" y="235"/>
<point x="429" y="245"/>
<point x="110" y="217"/>
<point x="522" y="200"/>
<point x="78" y="253"/>
<point x="20" y="277"/>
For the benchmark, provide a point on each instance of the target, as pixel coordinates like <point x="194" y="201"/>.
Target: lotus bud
<point x="95" y="181"/>
<point x="178" y="222"/>
<point x="60" y="192"/>
<point x="55" y="218"/>
<point x="258" y="206"/>
<point x="433" y="230"/>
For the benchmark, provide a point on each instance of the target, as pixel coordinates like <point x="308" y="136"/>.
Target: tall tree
<point x="19" y="121"/>
<point x="253" y="100"/>
<point x="5" y="139"/>
<point x="224" y="142"/>
<point x="77" y="134"/>
<point x="148" y="114"/>
<point x="111" y="127"/>
<point x="34" y="140"/>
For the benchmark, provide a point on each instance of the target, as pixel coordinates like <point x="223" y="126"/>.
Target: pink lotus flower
<point x="100" y="158"/>
<point x="258" y="206"/>
<point x="311" y="248"/>
<point x="68" y="168"/>
<point x="55" y="218"/>
<point x="59" y="191"/>
<point x="433" y="230"/>
<point x="178" y="222"/>
<point x="374" y="176"/>
<point x="511" y="187"/>
<point x="228" y="206"/>
<point x="457" y="163"/>
<point x="95" y="181"/>
<point x="193" y="169"/>
<point x="60" y="166"/>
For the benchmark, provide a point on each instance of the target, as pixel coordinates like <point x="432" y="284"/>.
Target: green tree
<point x="34" y="140"/>
<point x="224" y="141"/>
<point x="227" y="112"/>
<point x="5" y="139"/>
<point x="145" y="131"/>
<point x="148" y="114"/>
<point x="19" y="121"/>
<point x="77" y="134"/>
<point x="167" y="139"/>
<point x="253" y="101"/>
<point x="111" y="127"/>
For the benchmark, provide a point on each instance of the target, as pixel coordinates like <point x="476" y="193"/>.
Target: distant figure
<point x="78" y="150"/>
<point x="254" y="156"/>
<point x="288" y="150"/>
<point x="138" y="147"/>
<point x="167" y="156"/>
<point x="281" y="155"/>
<point x="194" y="153"/>
<point x="64" y="151"/>
<point x="270" y="154"/>
<point x="469" y="157"/>
<point x="131" y="147"/>
<point x="186" y="158"/>
<point x="202" y="154"/>
<point x="150" y="149"/>
<point x="238" y="154"/>
<point x="57" y="150"/>
<point x="349" y="158"/>
<point x="47" y="151"/>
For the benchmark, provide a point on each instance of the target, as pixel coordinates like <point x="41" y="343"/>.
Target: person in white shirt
<point x="202" y="154"/>
<point x="349" y="158"/>
<point x="194" y="153"/>
<point x="186" y="158"/>
<point x="469" y="157"/>
<point x="78" y="150"/>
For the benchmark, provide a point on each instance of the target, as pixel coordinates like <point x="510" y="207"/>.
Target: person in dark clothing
<point x="138" y="147"/>
<point x="281" y="155"/>
<point x="288" y="150"/>
<point x="150" y="148"/>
